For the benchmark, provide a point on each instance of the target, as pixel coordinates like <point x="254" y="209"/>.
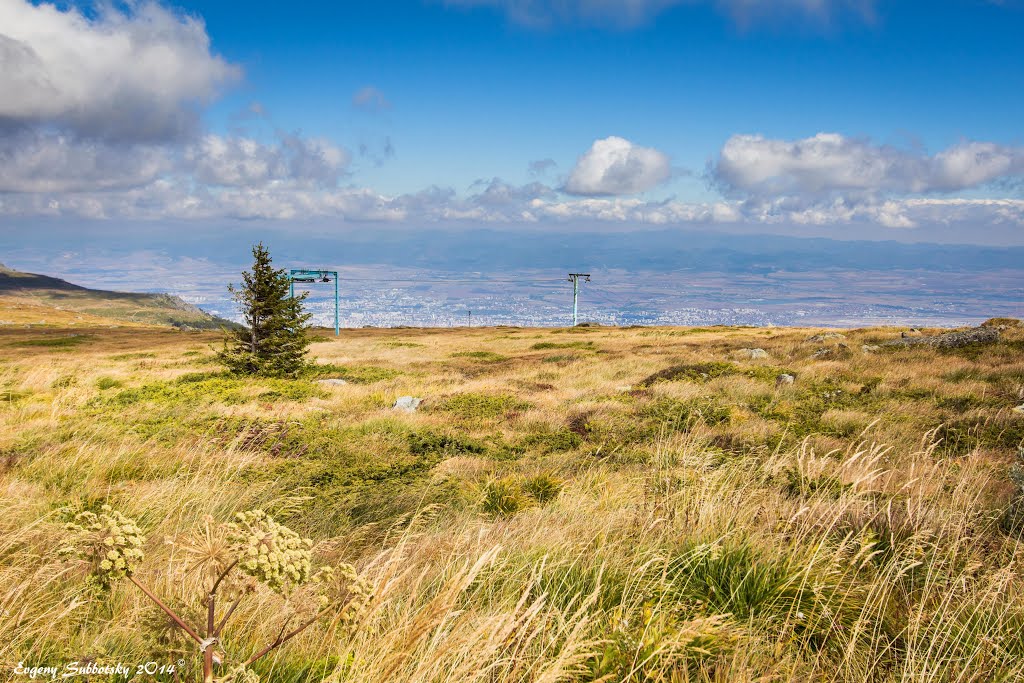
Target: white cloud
<point x="34" y="161"/>
<point x="615" y="166"/>
<point x="244" y="162"/>
<point x="830" y="163"/>
<point x="135" y="75"/>
<point x="497" y="202"/>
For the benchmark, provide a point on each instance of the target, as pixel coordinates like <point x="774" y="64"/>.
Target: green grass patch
<point x="485" y="356"/>
<point x="356" y="374"/>
<point x="104" y="383"/>
<point x="207" y="388"/>
<point x="136" y="356"/>
<point x="682" y="415"/>
<point x="705" y="372"/>
<point x="546" y="440"/>
<point x="13" y="396"/>
<point x="401" y="345"/>
<point x="486" y="406"/>
<point x="427" y="442"/>
<point x="540" y="346"/>
<point x="560" y="358"/>
<point x="66" y="342"/>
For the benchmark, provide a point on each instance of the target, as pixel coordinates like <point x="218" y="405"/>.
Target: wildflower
<point x="280" y="558"/>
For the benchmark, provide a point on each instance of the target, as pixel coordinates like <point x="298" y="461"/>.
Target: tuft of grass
<point x="501" y="497"/>
<point x="543" y="487"/>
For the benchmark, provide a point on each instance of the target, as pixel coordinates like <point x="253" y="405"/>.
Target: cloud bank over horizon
<point x="104" y="117"/>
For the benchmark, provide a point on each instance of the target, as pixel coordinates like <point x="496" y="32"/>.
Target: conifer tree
<point x="274" y="340"/>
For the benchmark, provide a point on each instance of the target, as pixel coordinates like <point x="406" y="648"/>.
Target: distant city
<point x="541" y="300"/>
<point x="442" y="278"/>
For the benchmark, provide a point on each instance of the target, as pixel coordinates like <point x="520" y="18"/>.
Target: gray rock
<point x="334" y="382"/>
<point x="821" y="353"/>
<point x="870" y="348"/>
<point x="951" y="340"/>
<point x="825" y="336"/>
<point x="784" y="379"/>
<point x="754" y="353"/>
<point x="407" y="404"/>
<point x="1019" y="409"/>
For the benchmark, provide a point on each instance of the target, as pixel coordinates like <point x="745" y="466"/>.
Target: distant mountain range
<point x="43" y="291"/>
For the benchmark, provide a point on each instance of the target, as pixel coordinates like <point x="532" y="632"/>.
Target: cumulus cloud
<point x="829" y="163"/>
<point x="632" y="13"/>
<point x="36" y="161"/>
<point x="135" y="75"/>
<point x="112" y="102"/>
<point x="615" y="166"/>
<point x="240" y="161"/>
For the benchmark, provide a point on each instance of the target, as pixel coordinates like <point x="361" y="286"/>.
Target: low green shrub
<point x="204" y="388"/>
<point x="356" y="374"/>
<point x="474" y="405"/>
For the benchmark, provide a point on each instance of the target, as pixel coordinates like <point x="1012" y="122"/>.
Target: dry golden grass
<point x="848" y="527"/>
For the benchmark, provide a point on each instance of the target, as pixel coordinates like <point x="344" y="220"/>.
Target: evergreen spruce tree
<point x="274" y="341"/>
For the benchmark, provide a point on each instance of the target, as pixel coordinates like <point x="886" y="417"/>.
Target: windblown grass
<point x="539" y="521"/>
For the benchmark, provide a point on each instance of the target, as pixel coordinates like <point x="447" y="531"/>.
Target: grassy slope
<point x="846" y="527"/>
<point x="40" y="299"/>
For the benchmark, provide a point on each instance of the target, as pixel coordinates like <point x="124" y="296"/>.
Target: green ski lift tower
<point x="309" y="277"/>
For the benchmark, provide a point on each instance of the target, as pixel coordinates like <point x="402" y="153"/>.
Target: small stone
<point x="407" y="404"/>
<point x="870" y="348"/>
<point x="821" y="353"/>
<point x="625" y="387"/>
<point x="334" y="382"/>
<point x="825" y="336"/>
<point x="754" y="353"/>
<point x="784" y="379"/>
<point x="1019" y="409"/>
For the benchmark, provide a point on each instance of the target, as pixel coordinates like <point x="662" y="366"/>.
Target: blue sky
<point x="474" y="94"/>
<point x="850" y="118"/>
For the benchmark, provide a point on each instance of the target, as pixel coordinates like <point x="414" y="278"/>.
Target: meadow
<point x="581" y="504"/>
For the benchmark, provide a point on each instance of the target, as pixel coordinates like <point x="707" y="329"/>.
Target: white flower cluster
<point x="343" y="586"/>
<point x="111" y="541"/>
<point x="270" y="552"/>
